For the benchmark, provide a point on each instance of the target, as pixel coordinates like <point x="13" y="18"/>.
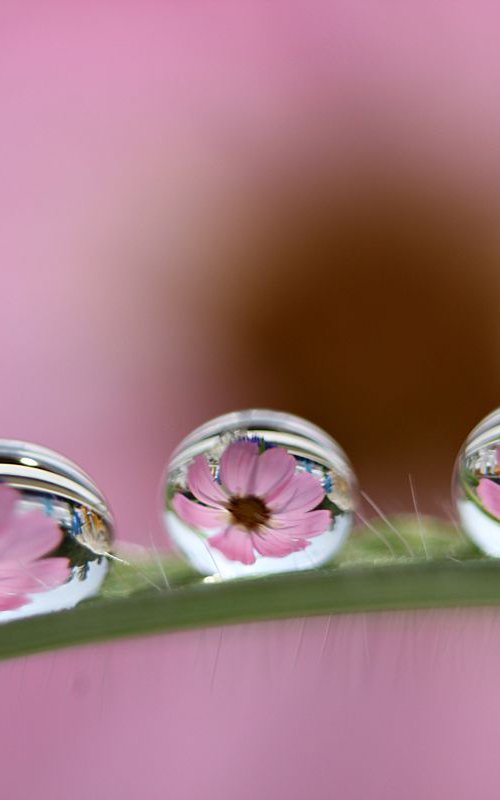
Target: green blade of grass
<point x="373" y="573"/>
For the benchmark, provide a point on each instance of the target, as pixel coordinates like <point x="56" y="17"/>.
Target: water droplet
<point x="55" y="532"/>
<point x="477" y="485"/>
<point x="255" y="492"/>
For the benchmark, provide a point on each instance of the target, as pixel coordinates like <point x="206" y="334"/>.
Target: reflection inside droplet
<point x="477" y="485"/>
<point x="55" y="532"/>
<point x="257" y="492"/>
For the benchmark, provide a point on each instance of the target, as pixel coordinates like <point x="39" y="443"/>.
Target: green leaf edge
<point x="373" y="573"/>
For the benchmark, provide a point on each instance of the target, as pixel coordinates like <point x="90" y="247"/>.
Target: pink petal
<point x="29" y="536"/>
<point x="489" y="494"/>
<point x="48" y="573"/>
<point x="8" y="500"/>
<point x="302" y="493"/>
<point x="203" y="485"/>
<point x="196" y="515"/>
<point x="235" y="544"/>
<point x="9" y="602"/>
<point x="276" y="544"/>
<point x="298" y="525"/>
<point x="237" y="466"/>
<point x="275" y="469"/>
<point x="39" y="576"/>
<point x="15" y="579"/>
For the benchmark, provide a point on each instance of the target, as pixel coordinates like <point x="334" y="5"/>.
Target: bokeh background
<point x="207" y="206"/>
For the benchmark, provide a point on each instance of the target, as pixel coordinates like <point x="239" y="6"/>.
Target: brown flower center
<point x="249" y="512"/>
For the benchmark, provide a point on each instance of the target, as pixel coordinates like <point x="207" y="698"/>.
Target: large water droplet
<point x="477" y="485"/>
<point x="55" y="532"/>
<point x="255" y="492"/>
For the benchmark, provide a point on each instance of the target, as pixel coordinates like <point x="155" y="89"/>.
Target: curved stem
<point x="366" y="578"/>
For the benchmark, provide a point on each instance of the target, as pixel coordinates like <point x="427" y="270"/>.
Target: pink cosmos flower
<point x="489" y="493"/>
<point x="24" y="538"/>
<point x="261" y="504"/>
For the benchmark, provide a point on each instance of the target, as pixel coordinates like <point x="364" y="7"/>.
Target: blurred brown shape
<point x="373" y="314"/>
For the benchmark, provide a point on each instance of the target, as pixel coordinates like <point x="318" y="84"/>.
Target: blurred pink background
<point x="147" y="152"/>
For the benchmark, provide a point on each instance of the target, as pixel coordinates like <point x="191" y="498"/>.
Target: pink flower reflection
<point x="489" y="494"/>
<point x="261" y="504"/>
<point x="24" y="539"/>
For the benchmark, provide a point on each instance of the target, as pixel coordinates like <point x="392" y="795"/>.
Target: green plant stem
<point x="425" y="585"/>
<point x="368" y="576"/>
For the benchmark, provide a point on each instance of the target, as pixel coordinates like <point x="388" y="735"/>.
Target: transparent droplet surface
<point x="55" y="532"/>
<point x="256" y="492"/>
<point x="477" y="485"/>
